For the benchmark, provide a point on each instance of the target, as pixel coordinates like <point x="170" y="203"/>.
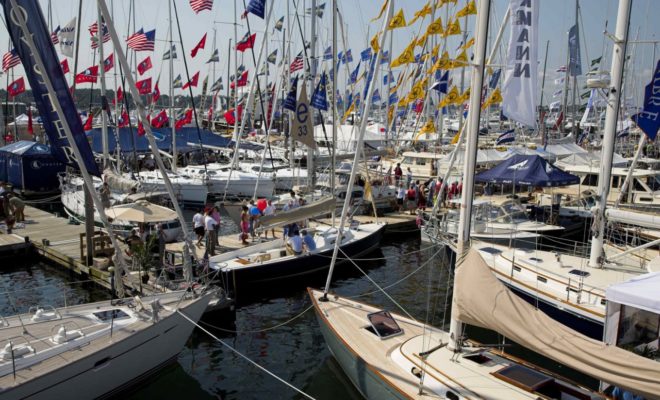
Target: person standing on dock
<point x="269" y="210"/>
<point x="16" y="207"/>
<point x="398" y="173"/>
<point x="198" y="226"/>
<point x="245" y="225"/>
<point x="209" y="227"/>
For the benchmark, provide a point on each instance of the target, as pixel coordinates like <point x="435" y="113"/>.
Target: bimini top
<point x="527" y="170"/>
<point x="639" y="292"/>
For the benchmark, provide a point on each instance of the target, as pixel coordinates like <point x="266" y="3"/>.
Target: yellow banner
<point x="382" y="10"/>
<point x="374" y="43"/>
<point x="469" y="9"/>
<point x="435" y="27"/>
<point x="426" y="10"/>
<point x="397" y="21"/>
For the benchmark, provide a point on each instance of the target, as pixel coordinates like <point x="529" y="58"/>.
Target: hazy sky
<point x="556" y="18"/>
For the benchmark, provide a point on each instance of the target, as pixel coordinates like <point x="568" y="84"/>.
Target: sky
<point x="556" y="17"/>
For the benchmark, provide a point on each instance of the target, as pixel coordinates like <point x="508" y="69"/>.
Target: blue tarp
<point x="530" y="170"/>
<point x="30" y="167"/>
<point x="187" y="139"/>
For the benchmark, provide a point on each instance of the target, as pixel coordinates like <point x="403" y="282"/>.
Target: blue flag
<point x="388" y="78"/>
<point x="320" y="98"/>
<point x="647" y="119"/>
<point x="442" y="84"/>
<point x="393" y="98"/>
<point x="495" y="78"/>
<point x="53" y="122"/>
<point x="290" y="100"/>
<point x="365" y="55"/>
<point x="354" y="74"/>
<point x="507" y="137"/>
<point x="257" y="7"/>
<point x="327" y="54"/>
<point x="575" y="63"/>
<point x="375" y="98"/>
<point x="385" y="57"/>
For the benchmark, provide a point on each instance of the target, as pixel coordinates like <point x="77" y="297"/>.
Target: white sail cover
<point x="314" y="209"/>
<point x="480" y="299"/>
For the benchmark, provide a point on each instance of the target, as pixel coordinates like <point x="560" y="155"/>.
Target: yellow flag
<point x="461" y="60"/>
<point x="420" y="42"/>
<point x="397" y="21"/>
<point x="348" y="112"/>
<point x="442" y="63"/>
<point x="374" y="43"/>
<point x="469" y="9"/>
<point x="464" y="97"/>
<point x="440" y="3"/>
<point x="429" y="127"/>
<point x="406" y="57"/>
<point x="417" y="91"/>
<point x="469" y="44"/>
<point x="435" y="27"/>
<point x="403" y="102"/>
<point x="382" y="10"/>
<point x="457" y="136"/>
<point x="450" y="98"/>
<point x="453" y="28"/>
<point x="390" y="115"/>
<point x="426" y="10"/>
<point x="494" y="98"/>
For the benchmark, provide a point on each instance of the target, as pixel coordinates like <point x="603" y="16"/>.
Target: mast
<point x="175" y="156"/>
<point x="574" y="129"/>
<point x="104" y="118"/>
<point x="310" y="151"/>
<point x="333" y="149"/>
<point x="541" y="112"/>
<point x="609" y="134"/>
<point x="476" y="81"/>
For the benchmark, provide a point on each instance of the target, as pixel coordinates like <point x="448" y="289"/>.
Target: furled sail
<point x="481" y="300"/>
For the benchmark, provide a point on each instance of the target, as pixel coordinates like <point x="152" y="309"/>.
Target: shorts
<point x="199" y="230"/>
<point x="399" y="202"/>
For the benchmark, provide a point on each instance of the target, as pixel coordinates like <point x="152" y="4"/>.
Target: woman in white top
<point x="269" y="210"/>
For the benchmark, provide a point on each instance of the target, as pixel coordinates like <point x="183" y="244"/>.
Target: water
<point x="276" y="329"/>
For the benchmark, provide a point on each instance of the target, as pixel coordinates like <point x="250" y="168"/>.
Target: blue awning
<point x="530" y="170"/>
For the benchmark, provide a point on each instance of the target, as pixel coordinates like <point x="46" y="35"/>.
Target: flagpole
<point x="104" y="120"/>
<point x="175" y="155"/>
<point x="118" y="162"/>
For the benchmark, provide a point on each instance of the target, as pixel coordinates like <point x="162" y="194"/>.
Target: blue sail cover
<point x="529" y="170"/>
<point x="186" y="140"/>
<point x="28" y="13"/>
<point x="30" y="167"/>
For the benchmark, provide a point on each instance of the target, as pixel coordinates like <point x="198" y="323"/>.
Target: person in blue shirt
<point x="308" y="241"/>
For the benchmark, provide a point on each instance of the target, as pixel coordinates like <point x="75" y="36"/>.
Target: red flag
<point x="88" y="123"/>
<point x="109" y="62"/>
<point x="160" y="120"/>
<point x="123" y="120"/>
<point x="144" y="86"/>
<point x="16" y="87"/>
<point x="199" y="46"/>
<point x="230" y="117"/>
<point x="419" y="106"/>
<point x="246" y="43"/>
<point x="88" y="75"/>
<point x="141" y="130"/>
<point x="30" y="127"/>
<point x="120" y="96"/>
<point x="210" y="115"/>
<point x="242" y="80"/>
<point x="185" y="119"/>
<point x="192" y="82"/>
<point x="65" y="66"/>
<point x="144" y="66"/>
<point x="155" y="95"/>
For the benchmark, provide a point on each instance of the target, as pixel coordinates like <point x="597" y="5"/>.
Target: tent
<point x="530" y="170"/>
<point x="591" y="160"/>
<point x="30" y="167"/>
<point x="562" y="150"/>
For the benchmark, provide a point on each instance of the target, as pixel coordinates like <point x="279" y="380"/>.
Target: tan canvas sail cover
<point x="482" y="300"/>
<point x="118" y="182"/>
<point x="319" y="207"/>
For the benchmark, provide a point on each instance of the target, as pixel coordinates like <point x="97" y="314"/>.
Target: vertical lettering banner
<point x="28" y="12"/>
<point x="521" y="75"/>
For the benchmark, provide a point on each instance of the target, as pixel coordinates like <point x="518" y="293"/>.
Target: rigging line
<point x="270" y="328"/>
<point x="378" y="286"/>
<point x="192" y="98"/>
<point x="386" y="258"/>
<point x="243" y="355"/>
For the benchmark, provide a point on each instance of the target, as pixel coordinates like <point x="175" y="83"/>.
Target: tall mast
<point x="310" y="151"/>
<point x="171" y="88"/>
<point x="104" y="118"/>
<point x="470" y="158"/>
<point x="575" y="105"/>
<point x="609" y="134"/>
<point x="335" y="115"/>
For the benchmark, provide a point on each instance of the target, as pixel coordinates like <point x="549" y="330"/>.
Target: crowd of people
<point x="12" y="207"/>
<point x="418" y="195"/>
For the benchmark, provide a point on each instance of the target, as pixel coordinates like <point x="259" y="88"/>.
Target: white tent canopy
<point x="564" y="149"/>
<point x="590" y="159"/>
<point x="640" y="292"/>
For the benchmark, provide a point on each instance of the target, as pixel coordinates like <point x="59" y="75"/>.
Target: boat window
<point x="579" y="272"/>
<point x="479" y="358"/>
<point x="653" y="182"/>
<point x="516" y="268"/>
<point x="590" y="180"/>
<point x="523" y="377"/>
<point x="106" y="316"/>
<point x="421" y="161"/>
<point x="638" y="330"/>
<point x="514" y="210"/>
<point x="491" y="250"/>
<point x="541" y="279"/>
<point x="538" y="260"/>
<point x="407" y="160"/>
<point x="639" y="186"/>
<point x="615" y="182"/>
<point x="451" y="395"/>
<point x="383" y="325"/>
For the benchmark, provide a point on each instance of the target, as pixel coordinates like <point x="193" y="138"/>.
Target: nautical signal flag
<point x="365" y="55"/>
<point x="144" y="65"/>
<point x="201" y="5"/>
<point x="257" y="7"/>
<point x="426" y="10"/>
<point x="16" y="87"/>
<point x="177" y="83"/>
<point x="155" y="95"/>
<point x="217" y="85"/>
<point x="140" y="130"/>
<point x="123" y="119"/>
<point x="279" y="24"/>
<point x="494" y="98"/>
<point x="297" y="63"/>
<point x="65" y="66"/>
<point x="89" y="122"/>
<point x="215" y="57"/>
<point x="89" y="75"/>
<point x="192" y="82"/>
<point x="327" y="54"/>
<point x="319" y="97"/>
<point x="442" y="84"/>
<point x="507" y="137"/>
<point x="109" y="62"/>
<point x="290" y="100"/>
<point x="142" y="41"/>
<point x="272" y="57"/>
<point x="230" y="115"/>
<point x="144" y="86"/>
<point x="170" y="53"/>
<point x="54" y="35"/>
<point x="246" y="43"/>
<point x="10" y="60"/>
<point x="160" y="120"/>
<point x="242" y="80"/>
<point x="185" y="119"/>
<point x="469" y="9"/>
<point x="354" y="74"/>
<point x="198" y="47"/>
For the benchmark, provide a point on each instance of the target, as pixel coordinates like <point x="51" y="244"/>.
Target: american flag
<point x="142" y="41"/>
<point x="10" y="60"/>
<point x="53" y="36"/>
<point x="297" y="63"/>
<point x="201" y="5"/>
<point x="94" y="29"/>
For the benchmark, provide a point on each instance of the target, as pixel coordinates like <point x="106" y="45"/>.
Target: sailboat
<point x="389" y="356"/>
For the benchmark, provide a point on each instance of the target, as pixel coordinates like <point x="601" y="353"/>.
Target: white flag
<point x="590" y="105"/>
<point x="67" y="37"/>
<point x="520" y="77"/>
<point x="302" y="129"/>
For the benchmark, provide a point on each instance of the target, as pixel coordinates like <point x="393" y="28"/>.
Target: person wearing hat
<point x="308" y="241"/>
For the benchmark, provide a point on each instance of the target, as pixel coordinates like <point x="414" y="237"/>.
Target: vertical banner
<point x="574" y="61"/>
<point x="520" y="75"/>
<point x="67" y="38"/>
<point x="28" y="12"/>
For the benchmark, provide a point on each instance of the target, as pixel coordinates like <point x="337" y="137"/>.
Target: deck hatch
<point x="383" y="325"/>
